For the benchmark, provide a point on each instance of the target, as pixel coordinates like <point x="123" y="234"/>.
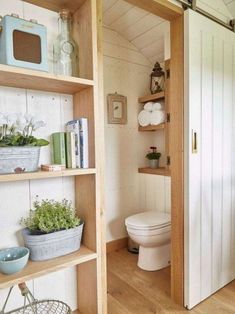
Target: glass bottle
<point x="65" y="51"/>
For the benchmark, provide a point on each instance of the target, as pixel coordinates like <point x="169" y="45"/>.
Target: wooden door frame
<point x="175" y="15"/>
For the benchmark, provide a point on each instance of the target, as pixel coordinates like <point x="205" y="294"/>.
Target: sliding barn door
<point x="209" y="157"/>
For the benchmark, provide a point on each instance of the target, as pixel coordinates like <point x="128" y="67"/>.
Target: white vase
<point x="154" y="163"/>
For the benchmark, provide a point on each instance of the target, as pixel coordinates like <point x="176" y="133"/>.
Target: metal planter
<point x="19" y="159"/>
<point x="47" y="246"/>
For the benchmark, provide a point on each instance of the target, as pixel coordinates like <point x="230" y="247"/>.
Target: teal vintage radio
<point x="23" y="43"/>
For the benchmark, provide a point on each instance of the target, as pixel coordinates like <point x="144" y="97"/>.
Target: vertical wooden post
<point x="177" y="159"/>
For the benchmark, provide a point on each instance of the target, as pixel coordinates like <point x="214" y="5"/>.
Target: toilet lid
<point x="149" y="220"/>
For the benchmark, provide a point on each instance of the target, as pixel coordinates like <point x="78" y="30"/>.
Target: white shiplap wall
<point x="17" y="198"/>
<point x="126" y="71"/>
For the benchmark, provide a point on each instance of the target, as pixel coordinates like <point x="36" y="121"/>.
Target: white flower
<point x="29" y="118"/>
<point x="38" y="124"/>
<point x="20" y="119"/>
<point x="20" y="122"/>
<point x="11" y="119"/>
<point x="3" y="119"/>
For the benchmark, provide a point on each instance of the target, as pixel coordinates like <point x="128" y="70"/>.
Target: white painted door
<point x="209" y="157"/>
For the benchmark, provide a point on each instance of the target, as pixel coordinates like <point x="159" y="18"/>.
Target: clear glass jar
<point x="65" y="50"/>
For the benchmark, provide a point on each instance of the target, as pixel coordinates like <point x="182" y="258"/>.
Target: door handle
<point x="194" y="142"/>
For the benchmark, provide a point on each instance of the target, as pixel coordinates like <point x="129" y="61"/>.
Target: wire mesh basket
<point x="33" y="306"/>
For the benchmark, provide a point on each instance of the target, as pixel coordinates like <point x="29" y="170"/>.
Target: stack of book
<point x="70" y="148"/>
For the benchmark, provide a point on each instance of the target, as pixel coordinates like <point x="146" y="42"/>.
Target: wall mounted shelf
<point x="37" y="269"/>
<point x="158" y="171"/>
<point x="152" y="128"/>
<point x="152" y="97"/>
<point x="46" y="174"/>
<point x="36" y="80"/>
<point x="56" y="5"/>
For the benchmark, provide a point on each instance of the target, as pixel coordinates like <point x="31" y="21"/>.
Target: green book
<point x="59" y="152"/>
<point x="70" y="150"/>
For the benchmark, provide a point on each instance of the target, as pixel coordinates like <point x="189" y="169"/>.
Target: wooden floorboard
<point x="134" y="291"/>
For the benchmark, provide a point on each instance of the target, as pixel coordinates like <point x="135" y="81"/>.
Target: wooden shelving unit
<point x="91" y="258"/>
<point x="164" y="96"/>
<point x="153" y="97"/>
<point x="45" y="175"/>
<point x="36" y="269"/>
<point x="158" y="171"/>
<point x="152" y="128"/>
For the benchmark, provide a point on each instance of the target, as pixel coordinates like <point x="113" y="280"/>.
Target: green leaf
<point x="41" y="142"/>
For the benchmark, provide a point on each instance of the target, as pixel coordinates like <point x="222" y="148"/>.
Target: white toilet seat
<point x="150" y="220"/>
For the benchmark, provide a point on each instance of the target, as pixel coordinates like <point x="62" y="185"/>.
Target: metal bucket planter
<point x="46" y="246"/>
<point x="19" y="159"/>
<point x="154" y="163"/>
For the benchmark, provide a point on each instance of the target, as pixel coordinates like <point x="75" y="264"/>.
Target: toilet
<point x="152" y="231"/>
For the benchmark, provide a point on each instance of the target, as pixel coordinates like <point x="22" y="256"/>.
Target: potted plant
<point x="19" y="149"/>
<point x="52" y="229"/>
<point x="153" y="157"/>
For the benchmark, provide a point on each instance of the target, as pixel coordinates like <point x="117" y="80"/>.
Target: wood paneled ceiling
<point x="231" y="6"/>
<point x="144" y="30"/>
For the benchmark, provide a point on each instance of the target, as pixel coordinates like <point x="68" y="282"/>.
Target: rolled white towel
<point x="144" y="117"/>
<point x="149" y="106"/>
<point x="157" y="117"/>
<point x="156" y="106"/>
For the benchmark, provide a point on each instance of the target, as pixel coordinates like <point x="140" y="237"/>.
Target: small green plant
<point x="50" y="216"/>
<point x="153" y="154"/>
<point x="17" y="130"/>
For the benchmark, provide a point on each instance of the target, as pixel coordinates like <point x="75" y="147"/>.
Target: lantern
<point x="157" y="80"/>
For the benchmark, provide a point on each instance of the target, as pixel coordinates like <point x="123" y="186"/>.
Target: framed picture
<point x="117" y="109"/>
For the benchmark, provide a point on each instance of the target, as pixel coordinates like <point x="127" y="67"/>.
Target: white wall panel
<point x="155" y="193"/>
<point x="217" y="162"/>
<point x="206" y="165"/>
<point x="209" y="180"/>
<point x="128" y="192"/>
<point x="227" y="161"/>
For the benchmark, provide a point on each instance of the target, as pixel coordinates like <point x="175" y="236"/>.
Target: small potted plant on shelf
<point x="52" y="229"/>
<point x="153" y="157"/>
<point x="19" y="149"/>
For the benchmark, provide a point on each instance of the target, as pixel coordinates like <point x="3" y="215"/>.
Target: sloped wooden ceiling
<point x="231" y="6"/>
<point x="144" y="30"/>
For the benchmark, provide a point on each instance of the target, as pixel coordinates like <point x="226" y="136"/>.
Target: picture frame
<point x="117" y="109"/>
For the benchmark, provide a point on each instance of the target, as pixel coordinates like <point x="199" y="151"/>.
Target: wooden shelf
<point x="56" y="5"/>
<point x="36" y="269"/>
<point x="152" y="97"/>
<point x="158" y="171"/>
<point x="36" y="80"/>
<point x="45" y="174"/>
<point x="152" y="128"/>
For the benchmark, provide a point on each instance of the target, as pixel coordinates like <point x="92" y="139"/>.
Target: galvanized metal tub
<point x="46" y="246"/>
<point x="18" y="159"/>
